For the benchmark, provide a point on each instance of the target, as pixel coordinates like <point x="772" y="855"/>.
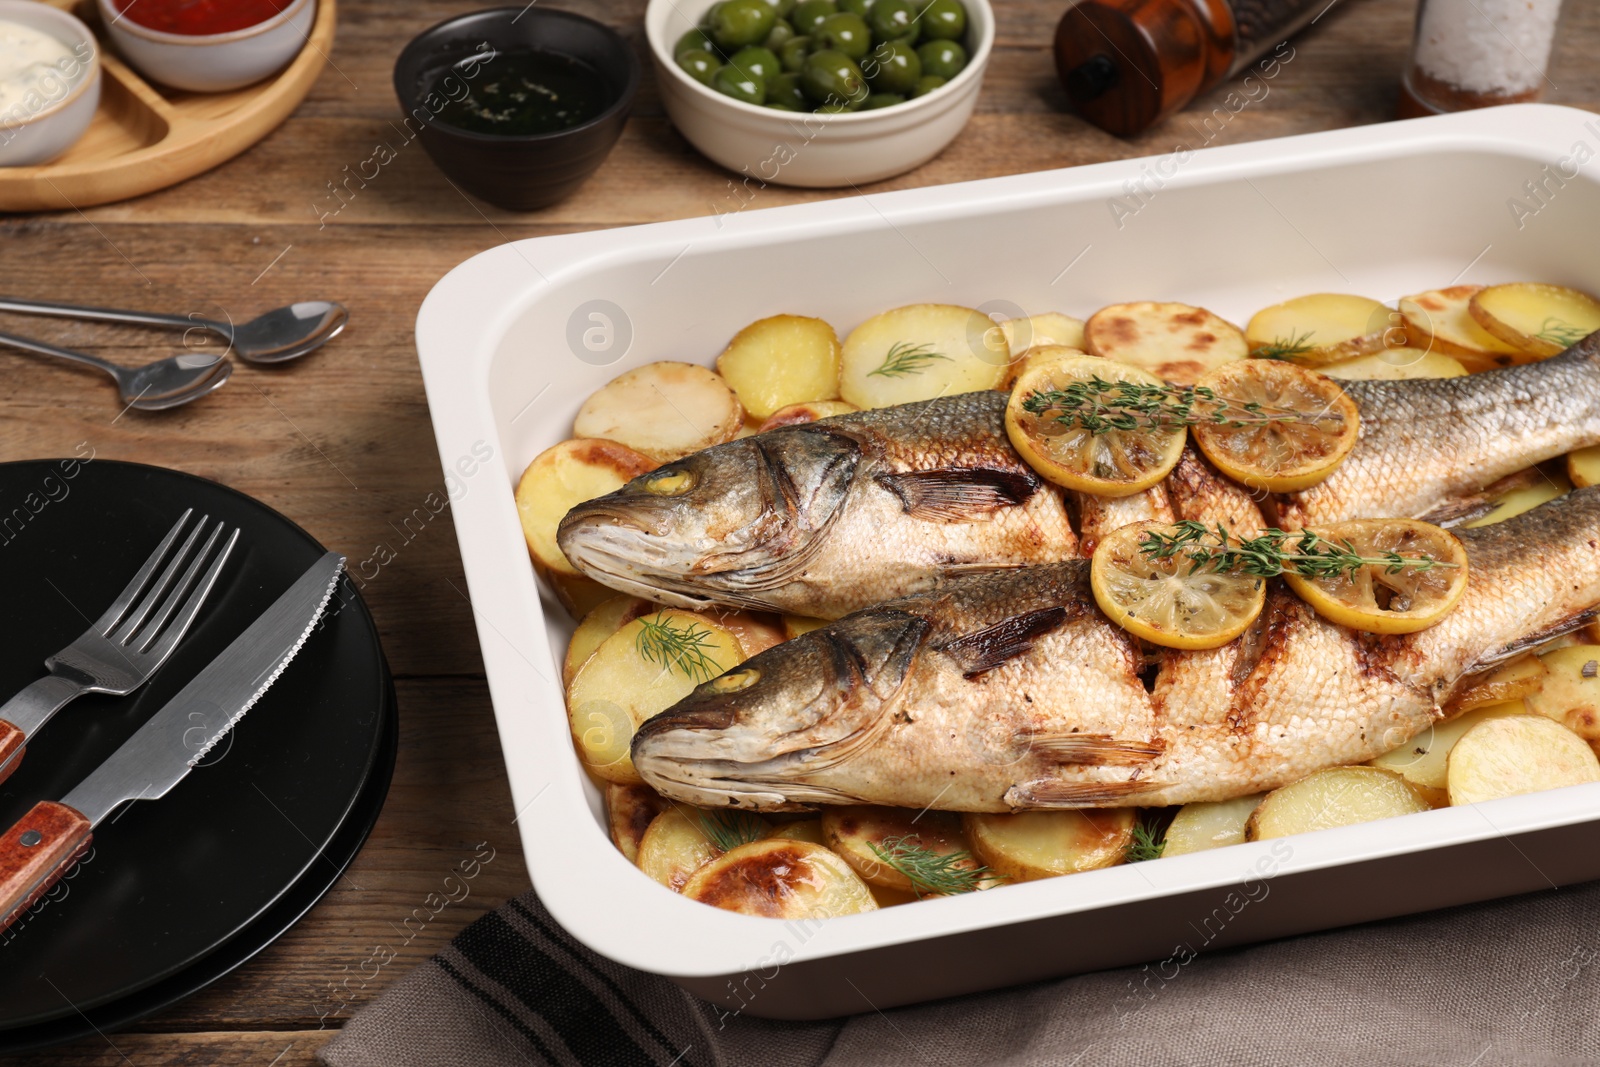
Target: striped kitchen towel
<point x="1505" y="983"/>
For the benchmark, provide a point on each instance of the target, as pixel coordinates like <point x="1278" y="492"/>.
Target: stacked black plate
<point x="180" y="891"/>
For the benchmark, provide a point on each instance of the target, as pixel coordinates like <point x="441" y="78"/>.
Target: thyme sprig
<point x="1558" y="331"/>
<point x="727" y="829"/>
<point x="1273" y="552"/>
<point x="1297" y="344"/>
<point x="1146" y="844"/>
<point x="1101" y="406"/>
<point x="905" y="358"/>
<point x="682" y="648"/>
<point x="930" y="872"/>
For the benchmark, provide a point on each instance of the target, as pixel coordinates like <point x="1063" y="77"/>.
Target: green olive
<point x="926" y="84"/>
<point x="793" y="53"/>
<point x="736" y="23"/>
<point x="782" y="7"/>
<point x="945" y="59"/>
<point x="694" y="40"/>
<point x="845" y="32"/>
<point x="699" y="64"/>
<point x="893" y="20"/>
<point x="893" y="67"/>
<point x="877" y="100"/>
<point x="782" y="33"/>
<point x="856" y="7"/>
<point x="758" y="63"/>
<point x="943" y="20"/>
<point x="705" y="20"/>
<point x="833" y="80"/>
<point x="784" y="90"/>
<point x="731" y="81"/>
<point x="808" y="15"/>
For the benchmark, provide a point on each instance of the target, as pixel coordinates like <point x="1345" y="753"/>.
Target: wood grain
<point x="341" y="442"/>
<point x="36" y="853"/>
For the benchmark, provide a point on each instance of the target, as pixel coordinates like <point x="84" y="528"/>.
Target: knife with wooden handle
<point x="50" y="838"/>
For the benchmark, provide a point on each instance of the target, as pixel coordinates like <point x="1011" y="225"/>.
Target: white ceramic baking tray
<point x="513" y="340"/>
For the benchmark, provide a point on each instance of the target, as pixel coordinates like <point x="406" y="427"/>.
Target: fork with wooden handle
<point x="127" y="644"/>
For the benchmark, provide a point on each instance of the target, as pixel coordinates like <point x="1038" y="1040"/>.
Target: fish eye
<point x="734" y="681"/>
<point x="670" y="482"/>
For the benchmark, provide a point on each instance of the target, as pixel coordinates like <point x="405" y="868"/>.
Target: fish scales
<point x="1011" y="691"/>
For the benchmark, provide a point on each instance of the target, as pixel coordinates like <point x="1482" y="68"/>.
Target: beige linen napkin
<point x="1505" y="983"/>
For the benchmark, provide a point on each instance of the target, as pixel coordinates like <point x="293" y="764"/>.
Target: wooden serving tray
<point x="146" y="137"/>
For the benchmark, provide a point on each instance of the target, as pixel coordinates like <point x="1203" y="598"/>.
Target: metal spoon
<point x="166" y="383"/>
<point x="281" y="334"/>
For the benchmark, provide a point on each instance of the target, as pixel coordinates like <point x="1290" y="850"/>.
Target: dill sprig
<point x="941" y="873"/>
<point x="1273" y="552"/>
<point x="1558" y="331"/>
<point x="1297" y="344"/>
<point x="1101" y="406"/>
<point x="727" y="828"/>
<point x="682" y="647"/>
<point x="906" y="358"/>
<point x="1146" y="844"/>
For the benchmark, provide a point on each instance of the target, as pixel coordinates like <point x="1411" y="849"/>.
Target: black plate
<point x="244" y="945"/>
<point x="170" y="881"/>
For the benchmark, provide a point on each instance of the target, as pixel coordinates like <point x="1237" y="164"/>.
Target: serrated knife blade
<point x="45" y="843"/>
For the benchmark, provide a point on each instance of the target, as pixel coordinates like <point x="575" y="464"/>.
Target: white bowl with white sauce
<point x="49" y="82"/>
<point x="513" y="341"/>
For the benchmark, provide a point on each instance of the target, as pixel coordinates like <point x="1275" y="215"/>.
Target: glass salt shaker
<point x="1477" y="53"/>
<point x="1127" y="64"/>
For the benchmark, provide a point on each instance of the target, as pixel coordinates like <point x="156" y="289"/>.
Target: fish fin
<point x="1479" y="504"/>
<point x="1056" y="793"/>
<point x="1537" y="638"/>
<point x="991" y="646"/>
<point x="1098" y="749"/>
<point x="959" y="494"/>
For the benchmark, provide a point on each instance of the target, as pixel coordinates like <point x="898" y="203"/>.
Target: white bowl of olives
<point x="820" y="92"/>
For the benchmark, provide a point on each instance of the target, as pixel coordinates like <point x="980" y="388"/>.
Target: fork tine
<point x="172" y="632"/>
<point x="114" y="613"/>
<point x="152" y="594"/>
<point x="150" y="629"/>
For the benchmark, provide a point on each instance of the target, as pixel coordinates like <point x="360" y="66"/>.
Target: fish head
<point x="758" y="736"/>
<point x="720" y="526"/>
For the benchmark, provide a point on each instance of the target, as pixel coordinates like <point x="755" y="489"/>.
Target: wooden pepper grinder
<point x="1127" y="64"/>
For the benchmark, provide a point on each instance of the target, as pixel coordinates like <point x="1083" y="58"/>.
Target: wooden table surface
<point x="341" y="442"/>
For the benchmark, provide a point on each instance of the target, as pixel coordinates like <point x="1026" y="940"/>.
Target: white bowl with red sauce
<point x="208" y="46"/>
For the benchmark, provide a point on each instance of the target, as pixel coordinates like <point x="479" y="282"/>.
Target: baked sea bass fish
<point x="1011" y="691"/>
<point x="832" y="516"/>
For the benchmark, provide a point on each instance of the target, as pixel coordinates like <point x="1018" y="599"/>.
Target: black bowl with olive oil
<point x="517" y="105"/>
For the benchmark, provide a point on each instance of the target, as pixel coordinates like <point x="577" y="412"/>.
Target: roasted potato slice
<point x="1570" y="693"/>
<point x="1322" y="328"/>
<point x="781" y="878"/>
<point x="877" y="842"/>
<point x="1033" y="357"/>
<point x="662" y="410"/>
<point x="630" y="809"/>
<point x="921" y="352"/>
<point x="641" y="670"/>
<point x="1519" y="754"/>
<point x="1049" y="328"/>
<point x="795" y="625"/>
<point x="1042" y="844"/>
<point x="1340" y="796"/>
<point x="756" y="631"/>
<point x="1440" y="320"/>
<point x="1524" y="498"/>
<point x="1510" y="681"/>
<point x="1422" y="760"/>
<point x="783" y="360"/>
<point x="1583" y="466"/>
<point x="605" y="619"/>
<point x="1175" y="342"/>
<point x="674" y="846"/>
<point x="1214" y="824"/>
<point x="1394" y="364"/>
<point x="578" y="593"/>
<point x="810" y="411"/>
<point x="803" y="830"/>
<point x="1541" y="320"/>
<point x="562" y="477"/>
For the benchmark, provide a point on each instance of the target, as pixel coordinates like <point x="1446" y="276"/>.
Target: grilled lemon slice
<point x="1281" y="427"/>
<point x="1162" y="602"/>
<point x="1112" y="462"/>
<point x="1382" y="599"/>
